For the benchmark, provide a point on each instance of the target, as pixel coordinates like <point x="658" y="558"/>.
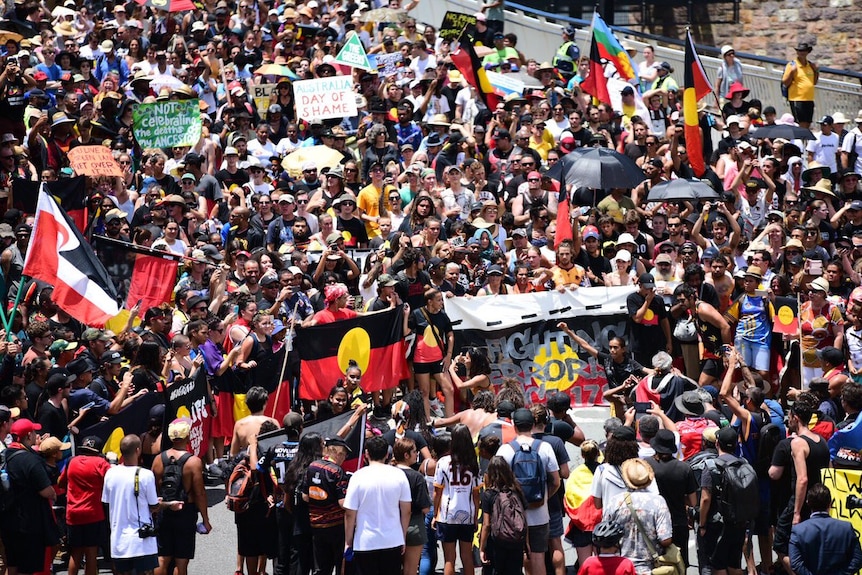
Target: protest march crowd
<point x="229" y="234"/>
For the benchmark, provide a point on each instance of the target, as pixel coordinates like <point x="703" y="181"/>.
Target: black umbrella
<point x="597" y="168"/>
<point x="783" y="131"/>
<point x="681" y="190"/>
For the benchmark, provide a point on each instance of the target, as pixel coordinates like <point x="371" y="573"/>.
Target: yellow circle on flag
<point x="649" y="315"/>
<point x="355" y="345"/>
<point x="785" y="315"/>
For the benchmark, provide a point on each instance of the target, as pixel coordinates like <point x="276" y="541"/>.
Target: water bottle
<point x="4" y="479"/>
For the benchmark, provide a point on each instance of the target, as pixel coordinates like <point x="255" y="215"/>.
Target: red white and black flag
<point x="59" y="255"/>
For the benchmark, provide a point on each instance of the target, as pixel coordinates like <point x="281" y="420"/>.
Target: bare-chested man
<point x="722" y="281"/>
<point x="248" y="427"/>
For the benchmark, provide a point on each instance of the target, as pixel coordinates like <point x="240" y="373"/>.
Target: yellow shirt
<point x="802" y="87"/>
<point x="573" y="276"/>
<point x="368" y="201"/>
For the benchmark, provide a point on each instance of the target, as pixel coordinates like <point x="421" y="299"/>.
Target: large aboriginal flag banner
<point x="132" y="419"/>
<point x="375" y="341"/>
<point x="697" y="86"/>
<point x="523" y="341"/>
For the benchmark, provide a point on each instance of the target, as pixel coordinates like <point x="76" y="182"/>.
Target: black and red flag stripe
<point x="470" y="66"/>
<point x="697" y="86"/>
<point x="374" y="341"/>
<point x="596" y="84"/>
<point x="71" y="194"/>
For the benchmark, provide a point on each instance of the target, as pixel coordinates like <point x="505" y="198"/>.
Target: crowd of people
<point x="432" y="196"/>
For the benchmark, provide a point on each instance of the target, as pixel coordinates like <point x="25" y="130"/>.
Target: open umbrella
<point x="384" y="15"/>
<point x="323" y="156"/>
<point x="682" y="189"/>
<point x="276" y="70"/>
<point x="168" y="5"/>
<point x="597" y="168"/>
<point x="785" y="131"/>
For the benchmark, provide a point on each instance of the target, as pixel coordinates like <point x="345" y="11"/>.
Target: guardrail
<point x="539" y="37"/>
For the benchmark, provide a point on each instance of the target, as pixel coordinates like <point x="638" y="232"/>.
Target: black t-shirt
<point x="418" y="491"/>
<point x="675" y="480"/>
<point x="53" y="420"/>
<point x="355" y="228"/>
<point x="227" y="179"/>
<point x="28" y="475"/>
<point x="647" y="336"/>
<point x="412" y="292"/>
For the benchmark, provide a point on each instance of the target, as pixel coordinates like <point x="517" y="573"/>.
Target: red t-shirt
<point x="607" y="565"/>
<point x="85" y="475"/>
<point x="326" y="316"/>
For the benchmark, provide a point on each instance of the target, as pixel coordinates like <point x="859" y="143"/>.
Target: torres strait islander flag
<point x="59" y="255"/>
<point x="375" y="341"/>
<point x="696" y="87"/>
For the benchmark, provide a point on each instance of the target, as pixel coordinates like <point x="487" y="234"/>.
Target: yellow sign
<point x="846" y="488"/>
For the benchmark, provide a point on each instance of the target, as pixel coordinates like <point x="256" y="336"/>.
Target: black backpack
<point x="736" y="490"/>
<point x="10" y="511"/>
<point x="172" y="479"/>
<point x="770" y="436"/>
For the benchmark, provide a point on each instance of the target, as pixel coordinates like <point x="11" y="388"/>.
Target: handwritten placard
<point x="324" y="98"/>
<point x="166" y="124"/>
<point x="94" y="161"/>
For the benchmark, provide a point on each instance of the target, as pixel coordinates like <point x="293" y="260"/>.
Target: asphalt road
<point x="216" y="552"/>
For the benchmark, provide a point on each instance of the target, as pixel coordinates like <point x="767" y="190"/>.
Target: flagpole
<point x="154" y="252"/>
<point x="284" y="362"/>
<point x="7" y="320"/>
<point x="689" y="38"/>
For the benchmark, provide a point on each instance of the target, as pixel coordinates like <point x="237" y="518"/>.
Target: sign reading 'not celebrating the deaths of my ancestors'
<point x="324" y="98"/>
<point x="166" y="124"/>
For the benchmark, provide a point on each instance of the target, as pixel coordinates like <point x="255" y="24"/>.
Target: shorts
<point x="537" y="538"/>
<point x="416" y="532"/>
<point x="760" y="526"/>
<point x="177" y="531"/>
<point x="755" y="355"/>
<point x="25" y="551"/>
<point x="89" y="534"/>
<point x="712" y="367"/>
<point x="555" y="524"/>
<point x="450" y="533"/>
<point x="781" y="541"/>
<point x="431" y="368"/>
<point x="138" y="564"/>
<point x="723" y="546"/>
<point x="803" y="111"/>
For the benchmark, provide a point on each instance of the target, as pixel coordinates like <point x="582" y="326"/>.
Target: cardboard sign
<point x="454" y="22"/>
<point x="505" y="84"/>
<point x="353" y="54"/>
<point x="94" y="161"/>
<point x="260" y="94"/>
<point x="324" y="98"/>
<point x="388" y="64"/>
<point x="166" y="124"/>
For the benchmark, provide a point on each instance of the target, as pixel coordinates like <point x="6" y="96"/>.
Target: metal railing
<point x="539" y="37"/>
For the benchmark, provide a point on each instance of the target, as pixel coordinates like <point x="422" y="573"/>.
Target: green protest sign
<point x="166" y="124"/>
<point x="353" y="54"/>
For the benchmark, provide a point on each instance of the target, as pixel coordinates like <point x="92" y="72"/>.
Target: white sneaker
<point x="436" y="409"/>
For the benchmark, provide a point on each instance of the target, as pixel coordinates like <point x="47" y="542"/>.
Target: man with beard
<point x="301" y="234"/>
<point x="598" y="264"/>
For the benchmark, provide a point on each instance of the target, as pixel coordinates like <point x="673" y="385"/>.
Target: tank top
<point x="818" y="458"/>
<point x="710" y="335"/>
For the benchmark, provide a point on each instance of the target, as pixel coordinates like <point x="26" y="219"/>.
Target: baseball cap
<point x="22" y="427"/>
<point x="591" y="232"/>
<point x="386" y="280"/>
<point x="727" y="438"/>
<point x="111" y="356"/>
<point x="646" y="281"/>
<point x="522" y="417"/>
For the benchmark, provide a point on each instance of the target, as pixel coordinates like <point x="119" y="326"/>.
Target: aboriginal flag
<point x="375" y="341"/>
<point x="596" y="84"/>
<point x="134" y="419"/>
<point x="696" y="87"/>
<point x="70" y="193"/>
<point x="468" y="63"/>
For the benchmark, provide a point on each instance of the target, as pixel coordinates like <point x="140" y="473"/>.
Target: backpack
<point x="10" y="511"/>
<point x="770" y="435"/>
<point x="172" y="479"/>
<point x="508" y="519"/>
<point x="529" y="470"/>
<point x="240" y="486"/>
<point x="738" y="492"/>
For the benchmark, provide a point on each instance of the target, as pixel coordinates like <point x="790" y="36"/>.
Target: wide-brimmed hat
<point x="819" y="284"/>
<point x="637" y="473"/>
<point x="737" y="88"/>
<point x="754" y="271"/>
<point x="823" y="185"/>
<point x="804" y="47"/>
<point x="61" y="118"/>
<point x="825" y="170"/>
<point x="664" y="442"/>
<point x="689" y="403"/>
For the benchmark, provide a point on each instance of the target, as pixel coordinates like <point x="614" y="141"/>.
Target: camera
<point x="147" y="531"/>
<point x="853" y="502"/>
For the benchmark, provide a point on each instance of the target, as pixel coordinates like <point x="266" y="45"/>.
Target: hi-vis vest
<point x="562" y="61"/>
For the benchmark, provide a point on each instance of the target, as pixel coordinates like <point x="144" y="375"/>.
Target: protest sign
<point x="845" y="485"/>
<point x="260" y="94"/>
<point x="94" y="161"/>
<point x="505" y="84"/>
<point x="166" y="124"/>
<point x="388" y="64"/>
<point x="188" y="398"/>
<point x="454" y="22"/>
<point x="324" y="98"/>
<point x="523" y="342"/>
<point x="786" y="316"/>
<point x="353" y="54"/>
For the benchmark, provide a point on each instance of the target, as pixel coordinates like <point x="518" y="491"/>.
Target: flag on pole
<point x="153" y="280"/>
<point x="596" y="84"/>
<point x="611" y="50"/>
<point x="59" y="255"/>
<point x="697" y="86"/>
<point x="468" y="63"/>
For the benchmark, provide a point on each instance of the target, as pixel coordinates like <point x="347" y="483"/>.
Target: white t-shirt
<point x="456" y="505"/>
<point x="824" y="149"/>
<point x="539" y="515"/>
<point x="127" y="513"/>
<point x="375" y="492"/>
<point x="853" y="143"/>
<point x="608" y="482"/>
